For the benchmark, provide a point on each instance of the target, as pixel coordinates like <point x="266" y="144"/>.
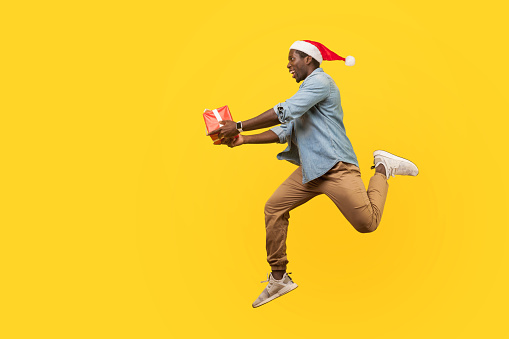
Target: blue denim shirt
<point x="312" y="125"/>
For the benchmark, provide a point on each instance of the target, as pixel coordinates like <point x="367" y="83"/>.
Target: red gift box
<point x="212" y="119"/>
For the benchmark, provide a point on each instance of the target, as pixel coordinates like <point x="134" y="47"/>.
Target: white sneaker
<point x="274" y="289"/>
<point x="394" y="165"/>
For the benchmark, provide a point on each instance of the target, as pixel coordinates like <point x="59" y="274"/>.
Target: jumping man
<point x="311" y="122"/>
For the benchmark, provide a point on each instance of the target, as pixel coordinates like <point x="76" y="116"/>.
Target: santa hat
<point x="320" y="52"/>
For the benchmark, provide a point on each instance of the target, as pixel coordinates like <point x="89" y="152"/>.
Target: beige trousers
<point x="343" y="185"/>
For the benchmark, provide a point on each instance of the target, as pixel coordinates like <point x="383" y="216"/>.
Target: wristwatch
<point x="239" y="126"/>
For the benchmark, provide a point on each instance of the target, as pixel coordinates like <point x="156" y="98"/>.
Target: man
<point x="312" y="125"/>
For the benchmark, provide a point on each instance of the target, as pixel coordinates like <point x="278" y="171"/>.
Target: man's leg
<point x="290" y="194"/>
<point x="344" y="186"/>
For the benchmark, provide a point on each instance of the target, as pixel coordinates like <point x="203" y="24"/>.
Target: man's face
<point x="296" y="66"/>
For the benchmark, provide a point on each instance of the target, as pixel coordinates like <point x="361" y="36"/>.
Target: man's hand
<point x="228" y="129"/>
<point x="233" y="142"/>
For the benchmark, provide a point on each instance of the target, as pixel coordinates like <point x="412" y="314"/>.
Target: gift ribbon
<point x="216" y="114"/>
<point x="218" y="117"/>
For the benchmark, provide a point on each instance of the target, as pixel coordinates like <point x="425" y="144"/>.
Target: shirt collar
<point x="319" y="69"/>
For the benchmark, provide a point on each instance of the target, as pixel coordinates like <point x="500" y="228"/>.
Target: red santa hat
<point x="320" y="52"/>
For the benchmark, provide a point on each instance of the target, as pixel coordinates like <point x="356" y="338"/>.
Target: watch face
<point x="239" y="125"/>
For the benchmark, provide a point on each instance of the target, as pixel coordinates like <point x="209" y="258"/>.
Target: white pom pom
<point x="349" y="60"/>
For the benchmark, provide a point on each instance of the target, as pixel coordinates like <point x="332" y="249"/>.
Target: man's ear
<point x="309" y="59"/>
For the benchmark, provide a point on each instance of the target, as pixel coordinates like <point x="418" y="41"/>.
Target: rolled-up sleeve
<point x="282" y="132"/>
<point x="309" y="94"/>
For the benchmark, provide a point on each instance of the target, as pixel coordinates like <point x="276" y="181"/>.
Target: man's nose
<point x="288" y="66"/>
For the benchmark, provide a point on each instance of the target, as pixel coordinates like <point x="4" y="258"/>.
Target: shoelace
<point x="391" y="172"/>
<point x="268" y="278"/>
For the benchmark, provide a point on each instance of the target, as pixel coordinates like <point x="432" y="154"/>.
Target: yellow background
<point x="120" y="219"/>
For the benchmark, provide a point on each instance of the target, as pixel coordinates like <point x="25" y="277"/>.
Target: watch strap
<point x="239" y="126"/>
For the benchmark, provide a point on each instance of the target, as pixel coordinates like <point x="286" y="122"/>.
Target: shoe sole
<point x="395" y="157"/>
<point x="281" y="292"/>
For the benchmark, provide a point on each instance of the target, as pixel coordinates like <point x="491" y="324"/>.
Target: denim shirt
<point x="312" y="125"/>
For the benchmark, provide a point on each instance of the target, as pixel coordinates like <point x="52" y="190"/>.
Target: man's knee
<point x="365" y="226"/>
<point x="274" y="209"/>
<point x="366" y="229"/>
<point x="271" y="207"/>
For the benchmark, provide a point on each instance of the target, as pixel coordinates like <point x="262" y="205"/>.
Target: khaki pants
<point x="343" y="185"/>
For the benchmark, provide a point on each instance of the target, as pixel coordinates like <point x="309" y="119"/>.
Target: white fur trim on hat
<point x="309" y="49"/>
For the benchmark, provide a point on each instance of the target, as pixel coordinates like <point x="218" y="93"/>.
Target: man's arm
<point x="229" y="128"/>
<point x="308" y="95"/>
<point x="266" y="137"/>
<point x="267" y="119"/>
